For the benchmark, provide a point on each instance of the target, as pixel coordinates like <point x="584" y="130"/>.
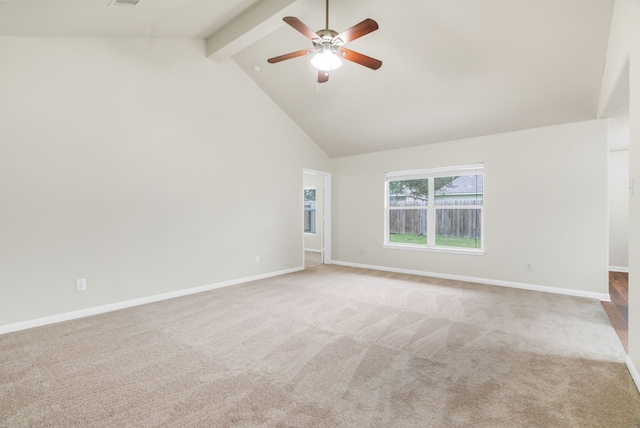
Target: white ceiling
<point x="451" y="68"/>
<point x="180" y="19"/>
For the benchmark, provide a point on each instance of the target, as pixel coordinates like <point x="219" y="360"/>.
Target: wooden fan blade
<point x="323" y="76"/>
<point x="301" y="27"/>
<point x="289" y="56"/>
<point x="357" y="31"/>
<point x="361" y="59"/>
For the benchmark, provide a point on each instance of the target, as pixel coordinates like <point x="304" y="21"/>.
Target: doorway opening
<point x="620" y="187"/>
<point x="316" y="243"/>
<point x="618" y="192"/>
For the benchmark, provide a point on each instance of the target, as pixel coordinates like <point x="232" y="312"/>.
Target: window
<point x="439" y="208"/>
<point x="310" y="210"/>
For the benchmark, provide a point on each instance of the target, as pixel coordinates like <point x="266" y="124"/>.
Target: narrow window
<point x="310" y="210"/>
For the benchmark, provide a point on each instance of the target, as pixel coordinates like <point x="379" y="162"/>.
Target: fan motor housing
<point x="327" y="35"/>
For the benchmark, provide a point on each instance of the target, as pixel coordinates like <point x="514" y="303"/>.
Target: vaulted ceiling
<point x="451" y="69"/>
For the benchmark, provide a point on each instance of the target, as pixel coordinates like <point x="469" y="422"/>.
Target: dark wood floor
<point x="618" y="308"/>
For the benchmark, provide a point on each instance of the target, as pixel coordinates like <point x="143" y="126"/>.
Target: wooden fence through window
<point x="309" y="219"/>
<point x="452" y="222"/>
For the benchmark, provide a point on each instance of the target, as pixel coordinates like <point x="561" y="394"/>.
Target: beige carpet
<point x="328" y="347"/>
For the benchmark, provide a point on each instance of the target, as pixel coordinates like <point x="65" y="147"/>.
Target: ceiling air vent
<point x="123" y="3"/>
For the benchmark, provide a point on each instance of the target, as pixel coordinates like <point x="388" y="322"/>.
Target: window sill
<point x="451" y="250"/>
<point x="309" y="234"/>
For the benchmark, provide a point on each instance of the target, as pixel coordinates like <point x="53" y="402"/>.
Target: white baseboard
<point x="618" y="269"/>
<point x="604" y="297"/>
<point x="634" y="372"/>
<point x="39" y="322"/>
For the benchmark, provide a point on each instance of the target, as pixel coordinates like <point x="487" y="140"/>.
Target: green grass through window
<point x="442" y="241"/>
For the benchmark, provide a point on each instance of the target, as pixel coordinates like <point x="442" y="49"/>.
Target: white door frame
<point x="326" y="213"/>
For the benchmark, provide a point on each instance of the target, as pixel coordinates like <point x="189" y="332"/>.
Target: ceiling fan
<point x="327" y="46"/>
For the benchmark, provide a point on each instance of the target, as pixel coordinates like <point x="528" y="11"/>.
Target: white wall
<point x="313" y="241"/>
<point x="634" y="201"/>
<point x="545" y="203"/>
<point x="619" y="210"/>
<point x="631" y="22"/>
<point x="144" y="168"/>
<point x="624" y="42"/>
<point x="620" y="40"/>
<point x="619" y="131"/>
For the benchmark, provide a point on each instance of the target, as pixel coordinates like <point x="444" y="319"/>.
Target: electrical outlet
<point x="362" y="251"/>
<point x="81" y="284"/>
<point x="528" y="266"/>
<point x="257" y="259"/>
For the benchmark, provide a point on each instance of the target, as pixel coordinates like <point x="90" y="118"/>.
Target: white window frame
<point x="431" y="174"/>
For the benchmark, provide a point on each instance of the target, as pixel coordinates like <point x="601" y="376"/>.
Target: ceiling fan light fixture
<point x="327" y="46"/>
<point x="326" y="60"/>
